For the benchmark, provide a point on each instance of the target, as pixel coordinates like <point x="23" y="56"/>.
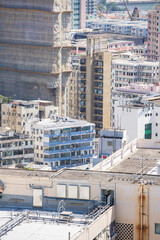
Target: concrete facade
<point x="110" y="141"/>
<point x="63" y="142"/>
<point x="91" y="8"/>
<point x="136" y="197"/>
<point x="15" y="115"/>
<point x="15" y="149"/>
<point x="35" y="50"/>
<point x="73" y="86"/>
<point x="125" y="27"/>
<point x="122" y="95"/>
<point x="153" y="38"/>
<point x="78" y="17"/>
<point x="95" y="83"/>
<point x="125" y="72"/>
<point x="143" y="117"/>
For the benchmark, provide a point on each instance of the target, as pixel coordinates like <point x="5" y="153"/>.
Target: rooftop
<point x="59" y="122"/>
<point x="39" y="228"/>
<point x="135" y="62"/>
<point x="137" y="160"/>
<point x="141" y="161"/>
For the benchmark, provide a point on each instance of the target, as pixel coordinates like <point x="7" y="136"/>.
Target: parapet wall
<point x="49" y="5"/>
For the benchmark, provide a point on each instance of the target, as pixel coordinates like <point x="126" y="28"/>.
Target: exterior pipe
<point x="141" y="211"/>
<point x="148" y="215"/>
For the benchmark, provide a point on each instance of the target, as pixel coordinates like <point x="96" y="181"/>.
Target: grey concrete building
<point x="35" y="49"/>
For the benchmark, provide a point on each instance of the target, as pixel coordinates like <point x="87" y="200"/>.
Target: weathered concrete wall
<point x="36" y="59"/>
<point x="49" y="5"/>
<point x="136" y="204"/>
<point x="35" y="38"/>
<point x="30" y="27"/>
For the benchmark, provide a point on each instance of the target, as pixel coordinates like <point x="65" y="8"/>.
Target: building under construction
<point x="35" y="49"/>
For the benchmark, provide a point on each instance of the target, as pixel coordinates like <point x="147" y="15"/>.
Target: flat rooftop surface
<point x="41" y="231"/>
<point x="141" y="161"/>
<point x="38" y="230"/>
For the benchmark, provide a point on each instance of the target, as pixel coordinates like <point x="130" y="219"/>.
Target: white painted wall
<point x="134" y="120"/>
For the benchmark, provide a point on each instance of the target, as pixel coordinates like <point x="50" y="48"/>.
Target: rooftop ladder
<point x="13" y="223"/>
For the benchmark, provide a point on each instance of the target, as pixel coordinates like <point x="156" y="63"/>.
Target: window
<point x="98" y="105"/>
<point x="65" y="146"/>
<point x="109" y="143"/>
<point x="76" y="137"/>
<point x="83" y="82"/>
<point x="83" y="61"/>
<point x="98" y="63"/>
<point x="17" y="152"/>
<point x="54" y="139"/>
<point x="156" y="124"/>
<point x="83" y="96"/>
<point x="98" y="98"/>
<point x="98" y="77"/>
<point x="76" y="129"/>
<point x="82" y="103"/>
<point x="65" y="154"/>
<point x="99" y="91"/>
<point x="148" y="131"/>
<point x="156" y="134"/>
<point x="0" y="194"/>
<point x="99" y="112"/>
<point x="82" y="89"/>
<point x="86" y="144"/>
<point x="86" y="136"/>
<point x="98" y="70"/>
<point x="82" y="109"/>
<point x="157" y="228"/>
<point x="83" y="75"/>
<point x="66" y="138"/>
<point x="156" y="114"/>
<point x="98" y="84"/>
<point x="65" y="130"/>
<point x="86" y="128"/>
<point x="83" y="69"/>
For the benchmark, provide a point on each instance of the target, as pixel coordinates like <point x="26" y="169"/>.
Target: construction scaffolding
<point x="35" y="49"/>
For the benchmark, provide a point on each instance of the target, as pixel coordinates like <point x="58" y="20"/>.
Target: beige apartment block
<point x="73" y="89"/>
<point x="153" y="38"/>
<point x="15" y="115"/>
<point x="95" y="83"/>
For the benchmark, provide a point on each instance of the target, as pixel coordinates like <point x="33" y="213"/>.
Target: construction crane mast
<point x="135" y="13"/>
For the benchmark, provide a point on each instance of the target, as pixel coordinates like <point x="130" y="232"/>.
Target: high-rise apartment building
<point x="91" y="7"/>
<point x="153" y="39"/>
<point x="35" y="49"/>
<point x="78" y="17"/>
<point x="95" y="83"/>
<point x="73" y="88"/>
